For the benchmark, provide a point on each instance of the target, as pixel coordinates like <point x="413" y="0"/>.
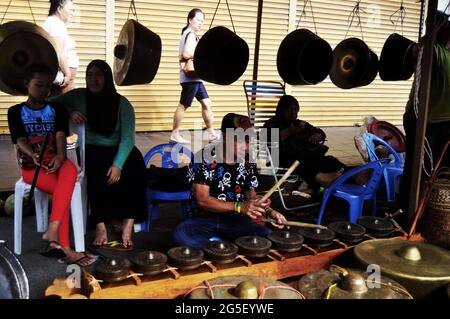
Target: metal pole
<point x="424" y="100"/>
<point x="257" y="39"/>
<point x="422" y="8"/>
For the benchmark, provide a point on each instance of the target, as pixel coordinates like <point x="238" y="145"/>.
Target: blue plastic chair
<point x="393" y="170"/>
<point x="171" y="154"/>
<point x="355" y="194"/>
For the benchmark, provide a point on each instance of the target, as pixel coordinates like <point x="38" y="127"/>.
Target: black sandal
<point x="53" y="252"/>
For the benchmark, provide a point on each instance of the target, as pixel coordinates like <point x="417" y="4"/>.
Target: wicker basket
<point x="435" y="224"/>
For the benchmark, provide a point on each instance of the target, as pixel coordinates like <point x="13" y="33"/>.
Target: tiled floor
<point x="339" y="139"/>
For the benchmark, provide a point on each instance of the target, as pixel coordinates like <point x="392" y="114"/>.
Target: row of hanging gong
<point x="221" y="57"/>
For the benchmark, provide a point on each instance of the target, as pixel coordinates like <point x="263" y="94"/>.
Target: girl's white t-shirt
<point x="58" y="29"/>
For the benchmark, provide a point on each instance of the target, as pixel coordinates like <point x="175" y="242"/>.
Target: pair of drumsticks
<point x="274" y="188"/>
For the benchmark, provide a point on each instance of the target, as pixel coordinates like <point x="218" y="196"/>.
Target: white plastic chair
<point x="78" y="205"/>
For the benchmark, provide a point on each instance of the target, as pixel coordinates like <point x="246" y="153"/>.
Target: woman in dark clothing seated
<point x="301" y="141"/>
<point x="115" y="169"/>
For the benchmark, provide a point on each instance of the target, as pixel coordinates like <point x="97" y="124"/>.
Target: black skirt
<point x="123" y="200"/>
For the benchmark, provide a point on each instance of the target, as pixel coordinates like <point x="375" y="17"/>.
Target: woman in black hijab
<point x="115" y="168"/>
<point x="301" y="141"/>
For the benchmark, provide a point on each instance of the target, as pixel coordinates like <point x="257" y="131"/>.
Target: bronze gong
<point x="221" y="252"/>
<point x="421" y="268"/>
<point x="244" y="287"/>
<point x="21" y="45"/>
<point x="185" y="257"/>
<point x="136" y="55"/>
<point x="352" y="284"/>
<point x="354" y="64"/>
<point x="149" y="262"/>
<point x="286" y="241"/>
<point x="253" y="246"/>
<point x="112" y="270"/>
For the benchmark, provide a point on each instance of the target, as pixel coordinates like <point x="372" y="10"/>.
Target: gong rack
<point x="173" y="282"/>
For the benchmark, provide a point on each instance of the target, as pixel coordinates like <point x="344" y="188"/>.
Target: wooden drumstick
<point x="298" y="224"/>
<point x="281" y="181"/>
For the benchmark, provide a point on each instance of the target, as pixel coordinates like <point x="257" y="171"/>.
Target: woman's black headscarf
<point x="283" y="104"/>
<point x="102" y="108"/>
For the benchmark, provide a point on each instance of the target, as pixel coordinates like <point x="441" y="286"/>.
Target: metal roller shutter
<point x="154" y="103"/>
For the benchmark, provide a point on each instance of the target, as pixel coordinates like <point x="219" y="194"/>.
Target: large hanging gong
<point x="136" y="55"/>
<point x="354" y="64"/>
<point x="221" y="56"/>
<point x="396" y="59"/>
<point x="304" y="58"/>
<point x="21" y="45"/>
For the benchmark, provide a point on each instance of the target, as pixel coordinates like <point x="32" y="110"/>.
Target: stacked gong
<point x="244" y="287"/>
<point x="338" y="283"/>
<point x="21" y="45"/>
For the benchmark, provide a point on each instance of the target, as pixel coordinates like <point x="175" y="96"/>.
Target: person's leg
<point x="46" y="183"/>
<point x="131" y="195"/>
<point x="62" y="196"/>
<point x="187" y="96"/>
<point x="178" y="116"/>
<point x="127" y="231"/>
<point x="98" y="161"/>
<point x="330" y="169"/>
<point x="207" y="114"/>
<point x="195" y="232"/>
<point x="61" y="186"/>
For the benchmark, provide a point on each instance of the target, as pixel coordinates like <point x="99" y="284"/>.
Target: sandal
<point x="52" y="251"/>
<point x="78" y="262"/>
<point x="115" y="245"/>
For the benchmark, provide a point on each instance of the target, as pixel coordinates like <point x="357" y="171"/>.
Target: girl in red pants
<point x="29" y="123"/>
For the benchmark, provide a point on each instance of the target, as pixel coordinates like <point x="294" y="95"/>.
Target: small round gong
<point x="112" y="270"/>
<point x="149" y="262"/>
<point x="286" y="241"/>
<point x="253" y="246"/>
<point x="317" y="236"/>
<point x="136" y="55"/>
<point x="221" y="252"/>
<point x="185" y="257"/>
<point x="375" y="226"/>
<point x="348" y="232"/>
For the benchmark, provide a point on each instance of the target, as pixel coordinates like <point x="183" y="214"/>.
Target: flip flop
<point x="53" y="252"/>
<point x="115" y="245"/>
<point x="79" y="263"/>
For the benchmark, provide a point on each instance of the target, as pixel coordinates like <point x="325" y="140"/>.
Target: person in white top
<point x="60" y="14"/>
<point x="192" y="86"/>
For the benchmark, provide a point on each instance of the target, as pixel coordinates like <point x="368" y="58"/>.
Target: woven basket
<point x="435" y="224"/>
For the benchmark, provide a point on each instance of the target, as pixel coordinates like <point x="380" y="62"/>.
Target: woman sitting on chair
<point x="115" y="168"/>
<point x="301" y="141"/>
